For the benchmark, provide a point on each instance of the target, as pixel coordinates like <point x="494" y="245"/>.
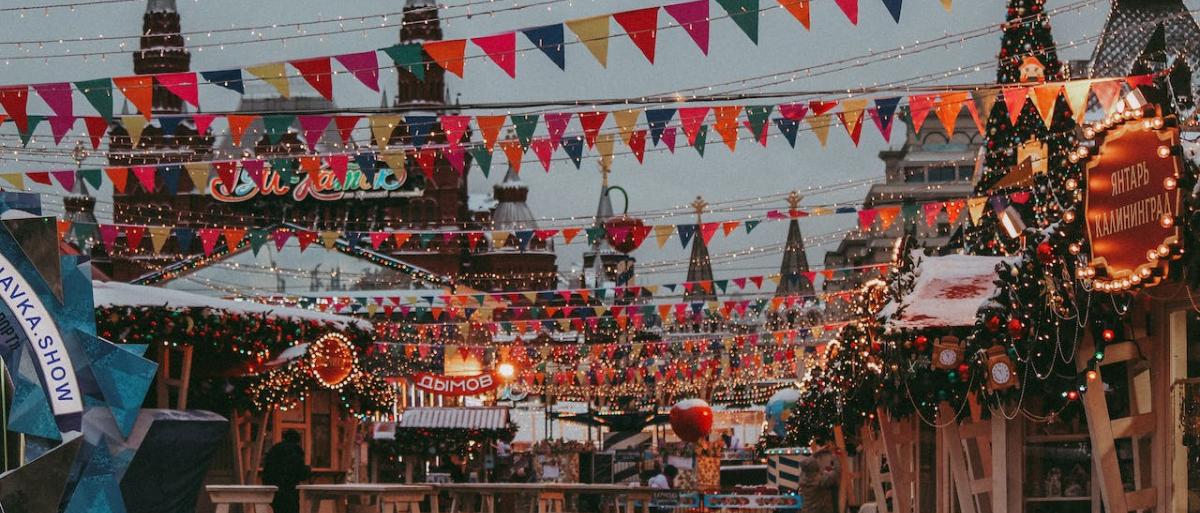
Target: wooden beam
<point x="1135" y="426"/>
<point x="958" y="465"/>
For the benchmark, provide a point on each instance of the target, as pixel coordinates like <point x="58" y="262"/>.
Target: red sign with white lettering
<point x="456" y="385"/>
<point x="1133" y="201"/>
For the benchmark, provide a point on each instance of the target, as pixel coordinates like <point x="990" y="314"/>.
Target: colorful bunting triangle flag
<point x="489" y="128"/>
<point x="409" y="57"/>
<point x="693" y="17"/>
<point x="593" y="32"/>
<point x="501" y="49"/>
<point x="525" y="125"/>
<point x="850" y="9"/>
<point x="483" y="157"/>
<point x="893" y="7"/>
<point x="799" y="10"/>
<point x="58" y="97"/>
<point x="363" y="65"/>
<point x="99" y="94"/>
<point x="274" y="74"/>
<point x="1014" y="101"/>
<point x="447" y="53"/>
<point x="184" y="85"/>
<point x="139" y="90"/>
<point x="744" y="13"/>
<point x="789" y="128"/>
<point x="591" y="123"/>
<point x="318" y="73"/>
<point x="573" y="146"/>
<point x="642" y="27"/>
<point x="228" y="78"/>
<point x="549" y="39"/>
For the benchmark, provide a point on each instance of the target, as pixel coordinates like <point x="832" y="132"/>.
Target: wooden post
<point x="166" y="382"/>
<point x="953" y="445"/>
<point x="248" y="445"/>
<point x="848" y="478"/>
<point x="873" y="461"/>
<point x="900" y="440"/>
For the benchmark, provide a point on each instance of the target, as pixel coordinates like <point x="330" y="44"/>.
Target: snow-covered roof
<point x="948" y="291"/>
<point x="479" y="202"/>
<point x="111" y="293"/>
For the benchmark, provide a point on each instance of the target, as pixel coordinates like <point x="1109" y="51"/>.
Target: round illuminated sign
<point x="332" y="359"/>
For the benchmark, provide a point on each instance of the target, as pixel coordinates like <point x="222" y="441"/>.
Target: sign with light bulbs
<point x="1133" y="198"/>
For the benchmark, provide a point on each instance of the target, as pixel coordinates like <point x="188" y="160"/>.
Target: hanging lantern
<point x="691" y="419"/>
<point x="332" y="359"/>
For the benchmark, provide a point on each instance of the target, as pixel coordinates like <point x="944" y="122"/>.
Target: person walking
<point x="284" y="468"/>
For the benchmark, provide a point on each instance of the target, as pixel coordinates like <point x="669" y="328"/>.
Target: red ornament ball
<point x="993" y="323"/>
<point x="922" y="342"/>
<point x="1016" y="328"/>
<point x="691" y="419"/>
<point x="1045" y="253"/>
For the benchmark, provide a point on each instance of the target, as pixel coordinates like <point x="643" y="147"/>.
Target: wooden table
<point x="253" y="499"/>
<point x="389" y="498"/>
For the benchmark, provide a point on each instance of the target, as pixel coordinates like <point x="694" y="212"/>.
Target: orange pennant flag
<point x="1014" y="101"/>
<point x="1107" y="92"/>
<point x="949" y="105"/>
<point x="568" y="234"/>
<point x="448" y="54"/>
<point x="514" y="152"/>
<point x="237" y="126"/>
<point x="918" y="109"/>
<point x="1045" y="97"/>
<point x="886" y="216"/>
<point x="489" y="127"/>
<point x="119" y="176"/>
<point x="981" y="106"/>
<point x="139" y="90"/>
<point x="953" y="209"/>
<point x="726" y="124"/>
<point x="799" y="9"/>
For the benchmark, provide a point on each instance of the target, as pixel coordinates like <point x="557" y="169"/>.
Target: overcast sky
<point x="664" y="180"/>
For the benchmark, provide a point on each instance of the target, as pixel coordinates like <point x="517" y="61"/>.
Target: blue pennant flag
<point x="885" y="108"/>
<point x="183" y="239"/>
<point x="658" y="119"/>
<point x="523" y="238"/>
<point x="229" y="79"/>
<point x="893" y="7"/>
<point x="170" y="176"/>
<point x="549" y="39"/>
<point x="419" y="128"/>
<point x="686" y="231"/>
<point x="169" y="124"/>
<point x="788" y="128"/>
<point x="366" y="162"/>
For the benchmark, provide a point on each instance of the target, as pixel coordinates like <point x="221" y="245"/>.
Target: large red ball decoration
<point x="1016" y="329"/>
<point x="620" y="232"/>
<point x="1045" y="253"/>
<point x="691" y="419"/>
<point x="993" y="323"/>
<point x="332" y="359"/>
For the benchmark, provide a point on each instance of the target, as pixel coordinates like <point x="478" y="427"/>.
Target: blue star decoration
<point x="112" y="379"/>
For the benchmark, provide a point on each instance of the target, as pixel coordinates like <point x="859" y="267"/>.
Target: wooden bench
<point x="252" y="498"/>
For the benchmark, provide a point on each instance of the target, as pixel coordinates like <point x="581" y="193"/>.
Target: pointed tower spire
<point x="793" y="279"/>
<point x="699" y="264"/>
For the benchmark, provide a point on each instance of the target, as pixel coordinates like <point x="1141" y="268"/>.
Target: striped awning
<point x="455" y="418"/>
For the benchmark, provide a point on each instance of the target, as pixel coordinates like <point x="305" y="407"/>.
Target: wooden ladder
<point x="1138" y="427"/>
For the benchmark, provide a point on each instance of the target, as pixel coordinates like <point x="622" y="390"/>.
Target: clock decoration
<point x="1001" y="372"/>
<point x="947" y="353"/>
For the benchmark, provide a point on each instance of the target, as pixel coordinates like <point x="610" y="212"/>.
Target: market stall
<point x="443" y="445"/>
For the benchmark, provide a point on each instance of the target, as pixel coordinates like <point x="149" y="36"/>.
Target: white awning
<point x="948" y="291"/>
<point x="455" y="418"/>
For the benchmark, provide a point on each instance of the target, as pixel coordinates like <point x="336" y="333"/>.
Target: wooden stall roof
<point x="455" y="418"/>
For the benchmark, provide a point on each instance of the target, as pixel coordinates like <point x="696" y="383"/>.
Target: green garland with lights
<point x="441" y="441"/>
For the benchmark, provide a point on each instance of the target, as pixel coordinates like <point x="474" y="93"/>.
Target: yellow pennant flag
<point x="499" y="238"/>
<point x="626" y="120"/>
<point x="1076" y="92"/>
<point x="394" y="159"/>
<point x="984" y="100"/>
<point x="1045" y="97"/>
<point x="382" y="127"/>
<point x="16" y="179"/>
<point x="948" y="107"/>
<point x="820" y="126"/>
<point x="975" y="207"/>
<point x="134" y="126"/>
<point x="274" y="74"/>
<point x="852" y="115"/>
<point x="372" y="308"/>
<point x="662" y="233"/>
<point x="593" y="32"/>
<point x="159" y="236"/>
<point x="652" y="289"/>
<point x="604" y="146"/>
<point x="775" y="278"/>
<point x="329" y="238"/>
<point x="948" y="5"/>
<point x="198" y="172"/>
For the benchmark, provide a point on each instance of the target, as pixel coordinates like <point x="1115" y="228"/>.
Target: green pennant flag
<point x="99" y="93"/>
<point x="757" y="116"/>
<point x="286" y="168"/>
<point x="909" y="212"/>
<point x="481" y="299"/>
<point x="90" y="177"/>
<point x="721" y="284"/>
<point x="483" y="157"/>
<point x="277" y="125"/>
<point x="84" y="232"/>
<point x="745" y="14"/>
<point x="601" y="293"/>
<point x="701" y="136"/>
<point x="425" y="238"/>
<point x="30" y="126"/>
<point x="525" y="125"/>
<point x="750" y="224"/>
<point x="257" y="237"/>
<point x="595" y="234"/>
<point x="410" y="57"/>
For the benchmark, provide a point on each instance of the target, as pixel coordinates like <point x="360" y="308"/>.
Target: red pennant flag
<point x="556" y="125"/>
<point x="254" y="168"/>
<point x="202" y="122"/>
<point x="182" y="85"/>
<point x="637" y="143"/>
<point x="145" y="176"/>
<point x="691" y="119"/>
<point x="14" y="100"/>
<point x="426" y="158"/>
<point x="281" y="237"/>
<point x="318" y="73"/>
<point x="305" y="238"/>
<point x="850" y="8"/>
<point x="448" y="54"/>
<point x="642" y="27"/>
<point x="793" y="111"/>
<point x="139" y="90"/>
<point x="455" y="127"/>
<point x="42" y="177"/>
<point x="489" y="127"/>
<point x="591" y="122"/>
<point x="208" y="239"/>
<point x="543" y="149"/>
<point x="377" y="239"/>
<point x="502" y="49"/>
<point x="707" y="230"/>
<point x="818" y="107"/>
<point x="932" y="209"/>
<point x="119" y="176"/>
<point x="227" y="172"/>
<point x="866" y="218"/>
<point x="96" y="127"/>
<point x="345" y="126"/>
<point x="1014" y="101"/>
<point x="133" y="236"/>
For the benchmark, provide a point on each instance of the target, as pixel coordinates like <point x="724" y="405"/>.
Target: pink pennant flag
<point x="1014" y="101"/>
<point x="693" y="17"/>
<point x="58" y="97"/>
<point x="202" y="122"/>
<point x="691" y="119"/>
<point x="60" y="125"/>
<point x="208" y="239"/>
<point x="313" y="128"/>
<point x="108" y="235"/>
<point x="932" y="209"/>
<point x="1107" y="92"/>
<point x="502" y="49"/>
<point x="543" y="149"/>
<point x="556" y="125"/>
<point x="377" y="239"/>
<point x="793" y="111"/>
<point x="364" y="66"/>
<point x="455" y="127"/>
<point x="281" y="237"/>
<point x="254" y="168"/>
<point x="145" y="176"/>
<point x="668" y="137"/>
<point x="455" y="154"/>
<point x="850" y="8"/>
<point x="65" y="178"/>
<point x="182" y="85"/>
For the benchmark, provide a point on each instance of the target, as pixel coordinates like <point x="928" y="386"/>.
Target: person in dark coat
<point x="284" y="468"/>
<point x="818" y="486"/>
